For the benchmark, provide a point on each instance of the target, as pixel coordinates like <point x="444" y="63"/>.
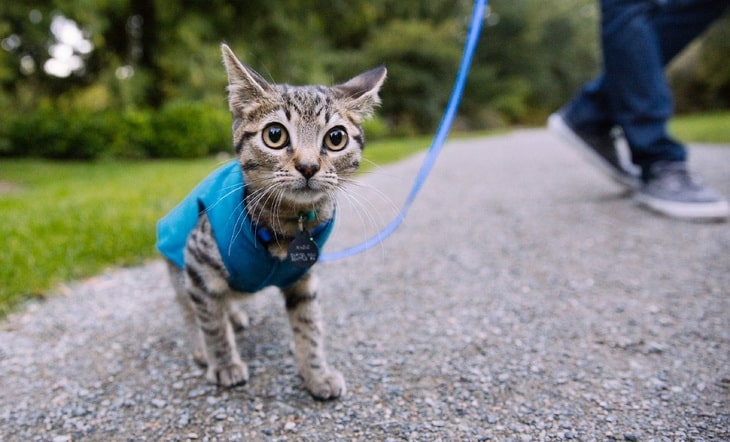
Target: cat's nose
<point x="307" y="169"/>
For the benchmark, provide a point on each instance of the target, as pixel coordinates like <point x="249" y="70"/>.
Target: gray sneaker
<point x="672" y="191"/>
<point x="603" y="149"/>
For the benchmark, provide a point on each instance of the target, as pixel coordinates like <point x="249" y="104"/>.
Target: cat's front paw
<point x="239" y="320"/>
<point x="228" y="375"/>
<point x="330" y="385"/>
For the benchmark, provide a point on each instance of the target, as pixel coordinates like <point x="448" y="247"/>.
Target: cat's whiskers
<point x="364" y="207"/>
<point x="262" y="201"/>
<point x="240" y="223"/>
<point x="230" y="190"/>
<point x="379" y="169"/>
<point x="268" y="204"/>
<point x="256" y="194"/>
<point x="359" y="184"/>
<point x="276" y="210"/>
<point x="257" y="201"/>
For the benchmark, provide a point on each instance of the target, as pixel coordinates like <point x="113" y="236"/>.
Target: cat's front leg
<point x="206" y="284"/>
<point x="225" y="367"/>
<point x="177" y="278"/>
<point x="302" y="307"/>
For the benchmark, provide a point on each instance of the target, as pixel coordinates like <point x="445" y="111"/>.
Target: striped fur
<point x="300" y="176"/>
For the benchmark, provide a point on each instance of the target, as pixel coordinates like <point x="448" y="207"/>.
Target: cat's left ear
<point x="360" y="94"/>
<point x="246" y="88"/>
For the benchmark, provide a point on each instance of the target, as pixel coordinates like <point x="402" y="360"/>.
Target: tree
<point x="530" y="59"/>
<point x="147" y="54"/>
<point x="422" y="60"/>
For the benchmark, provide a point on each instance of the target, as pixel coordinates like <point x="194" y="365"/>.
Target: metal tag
<point x="303" y="251"/>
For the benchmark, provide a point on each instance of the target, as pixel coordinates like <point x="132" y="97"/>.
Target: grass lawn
<point x="702" y="128"/>
<point x="66" y="221"/>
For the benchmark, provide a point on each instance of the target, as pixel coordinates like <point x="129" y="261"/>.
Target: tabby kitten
<point x="261" y="219"/>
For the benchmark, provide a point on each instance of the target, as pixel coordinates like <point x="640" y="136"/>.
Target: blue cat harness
<point x="241" y="243"/>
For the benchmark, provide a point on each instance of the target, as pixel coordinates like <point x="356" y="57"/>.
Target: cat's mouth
<point x="307" y="191"/>
<point x="310" y="186"/>
<point x="310" y="191"/>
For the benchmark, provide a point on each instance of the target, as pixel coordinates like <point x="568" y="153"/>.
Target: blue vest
<point x="250" y="265"/>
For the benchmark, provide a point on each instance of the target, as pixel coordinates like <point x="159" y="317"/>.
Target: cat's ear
<point x="360" y="94"/>
<point x="245" y="86"/>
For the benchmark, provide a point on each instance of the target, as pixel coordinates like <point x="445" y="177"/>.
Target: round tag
<point x="303" y="251"/>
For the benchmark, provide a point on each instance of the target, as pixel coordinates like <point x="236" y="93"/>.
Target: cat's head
<point x="298" y="143"/>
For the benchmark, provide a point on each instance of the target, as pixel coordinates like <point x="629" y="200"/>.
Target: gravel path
<point x="525" y="298"/>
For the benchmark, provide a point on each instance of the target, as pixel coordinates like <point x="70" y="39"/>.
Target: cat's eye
<point x="336" y="139"/>
<point x="275" y="136"/>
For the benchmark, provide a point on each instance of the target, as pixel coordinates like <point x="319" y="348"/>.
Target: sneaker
<point x="603" y="149"/>
<point x="672" y="191"/>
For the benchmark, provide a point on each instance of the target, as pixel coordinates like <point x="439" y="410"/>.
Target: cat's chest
<point x="253" y="265"/>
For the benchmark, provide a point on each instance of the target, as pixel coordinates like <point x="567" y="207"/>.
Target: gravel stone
<point x="159" y="403"/>
<point x="525" y="298"/>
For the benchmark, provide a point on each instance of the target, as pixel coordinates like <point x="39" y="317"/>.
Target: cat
<point x="260" y="220"/>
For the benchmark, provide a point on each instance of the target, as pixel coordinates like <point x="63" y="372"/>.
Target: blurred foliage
<point x="700" y="76"/>
<point x="147" y="61"/>
<point x="177" y="130"/>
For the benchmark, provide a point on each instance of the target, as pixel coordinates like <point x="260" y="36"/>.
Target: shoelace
<point x="674" y="172"/>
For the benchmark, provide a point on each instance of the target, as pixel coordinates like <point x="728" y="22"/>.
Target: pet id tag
<point x="303" y="251"/>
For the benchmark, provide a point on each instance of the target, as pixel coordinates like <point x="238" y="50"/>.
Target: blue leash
<point x="436" y="145"/>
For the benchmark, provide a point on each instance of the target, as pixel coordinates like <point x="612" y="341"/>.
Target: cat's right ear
<point x="360" y="94"/>
<point x="245" y="86"/>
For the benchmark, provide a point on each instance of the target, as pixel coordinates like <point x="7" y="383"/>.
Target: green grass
<point x="702" y="128"/>
<point x="65" y="221"/>
<point x="379" y="153"/>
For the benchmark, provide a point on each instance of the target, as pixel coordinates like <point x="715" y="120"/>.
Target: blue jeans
<point x="639" y="38"/>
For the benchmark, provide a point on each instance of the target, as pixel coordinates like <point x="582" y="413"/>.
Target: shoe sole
<point x="559" y="127"/>
<point x="717" y="211"/>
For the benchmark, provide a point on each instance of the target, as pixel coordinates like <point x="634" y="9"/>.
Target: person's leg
<point x="588" y="120"/>
<point x="676" y="23"/>
<point x="639" y="38"/>
<point x="681" y="21"/>
<point x="635" y="85"/>
<point x="589" y="109"/>
<point x="586" y="123"/>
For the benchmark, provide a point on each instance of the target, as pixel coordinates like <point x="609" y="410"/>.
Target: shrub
<point x="422" y="59"/>
<point x="57" y="135"/>
<point x="133" y="134"/>
<point x="180" y="130"/>
<point x="42" y="133"/>
<point x="189" y="130"/>
<point x="88" y="136"/>
<point x="375" y="128"/>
